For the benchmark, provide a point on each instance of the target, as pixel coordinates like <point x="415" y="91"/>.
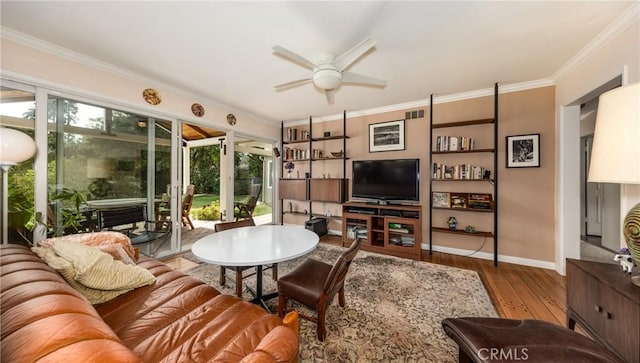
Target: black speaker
<point x="317" y="225"/>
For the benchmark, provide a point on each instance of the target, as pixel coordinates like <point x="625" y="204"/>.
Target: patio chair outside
<point x="187" y="201"/>
<point x="245" y="210"/>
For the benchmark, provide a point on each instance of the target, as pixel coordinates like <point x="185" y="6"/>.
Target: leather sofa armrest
<point x="280" y="345"/>
<point x="291" y="321"/>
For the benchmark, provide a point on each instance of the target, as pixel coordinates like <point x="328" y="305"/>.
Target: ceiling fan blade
<point x="286" y="53"/>
<point x="285" y="86"/>
<point x="331" y="96"/>
<point x="349" y="77"/>
<point x="350" y="56"/>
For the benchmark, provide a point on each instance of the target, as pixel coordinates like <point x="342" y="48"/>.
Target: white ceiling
<point x="221" y="51"/>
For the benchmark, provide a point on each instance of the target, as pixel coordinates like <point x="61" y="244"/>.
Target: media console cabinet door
<point x="294" y="189"/>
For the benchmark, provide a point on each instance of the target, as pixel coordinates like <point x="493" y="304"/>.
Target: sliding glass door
<point x="93" y="156"/>
<point x="102" y="158"/>
<point x="253" y="183"/>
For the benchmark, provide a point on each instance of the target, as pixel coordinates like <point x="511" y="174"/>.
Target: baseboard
<point x="489" y="256"/>
<point x="483" y="255"/>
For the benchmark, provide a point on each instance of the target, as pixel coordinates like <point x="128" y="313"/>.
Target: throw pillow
<point x="92" y="272"/>
<point x="65" y="268"/>
<point x="98" y="270"/>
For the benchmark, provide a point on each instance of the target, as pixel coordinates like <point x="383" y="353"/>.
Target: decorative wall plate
<point x="151" y="96"/>
<point x="197" y="109"/>
<point x="231" y="119"/>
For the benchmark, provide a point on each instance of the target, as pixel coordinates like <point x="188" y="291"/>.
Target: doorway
<point x="599" y="202"/>
<point x="205" y="164"/>
<point x="591" y="229"/>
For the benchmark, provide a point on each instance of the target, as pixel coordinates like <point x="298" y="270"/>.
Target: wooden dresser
<point x="601" y="298"/>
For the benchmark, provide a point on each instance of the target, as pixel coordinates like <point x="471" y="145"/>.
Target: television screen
<point x="397" y="179"/>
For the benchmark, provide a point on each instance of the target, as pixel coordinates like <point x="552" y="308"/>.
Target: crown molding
<point x="485" y="92"/>
<point x="99" y="65"/>
<point x="625" y="20"/>
<point x="438" y="99"/>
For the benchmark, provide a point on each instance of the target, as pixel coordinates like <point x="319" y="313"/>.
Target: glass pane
<point x="205" y="177"/>
<point x="17" y="111"/>
<point x="250" y="181"/>
<point x="101" y="158"/>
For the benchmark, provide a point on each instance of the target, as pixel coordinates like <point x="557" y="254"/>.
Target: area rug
<point x="393" y="309"/>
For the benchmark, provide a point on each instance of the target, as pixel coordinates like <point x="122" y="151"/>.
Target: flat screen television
<point x="386" y="180"/>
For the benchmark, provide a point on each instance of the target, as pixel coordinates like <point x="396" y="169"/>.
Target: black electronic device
<point x="361" y="211"/>
<point x="317" y="225"/>
<point x="410" y="214"/>
<point x="386" y="180"/>
<point x="390" y="212"/>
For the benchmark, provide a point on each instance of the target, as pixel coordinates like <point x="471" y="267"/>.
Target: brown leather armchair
<point x="315" y="284"/>
<point x="239" y="270"/>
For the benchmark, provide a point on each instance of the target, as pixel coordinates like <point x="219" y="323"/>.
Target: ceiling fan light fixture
<point x="330" y="72"/>
<point x="327" y="78"/>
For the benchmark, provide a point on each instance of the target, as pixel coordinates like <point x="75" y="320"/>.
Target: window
<point x="17" y="111"/>
<point x="101" y="154"/>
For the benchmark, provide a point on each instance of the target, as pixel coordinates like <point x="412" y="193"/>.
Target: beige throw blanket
<point x="92" y="272"/>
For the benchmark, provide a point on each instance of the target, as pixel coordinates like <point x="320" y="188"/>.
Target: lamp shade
<point x="15" y="146"/>
<point x="615" y="157"/>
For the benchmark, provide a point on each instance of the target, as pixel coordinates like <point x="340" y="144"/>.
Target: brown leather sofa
<point x="177" y="319"/>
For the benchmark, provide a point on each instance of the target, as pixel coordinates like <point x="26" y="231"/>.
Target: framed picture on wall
<point x="523" y="151"/>
<point x="386" y="136"/>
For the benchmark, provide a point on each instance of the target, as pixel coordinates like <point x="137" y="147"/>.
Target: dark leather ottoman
<point x="507" y="340"/>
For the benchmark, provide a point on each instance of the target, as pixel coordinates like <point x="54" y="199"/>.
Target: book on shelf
<point x="354" y="231"/>
<point x="440" y="199"/>
<point x="402" y="241"/>
<point x="462" y="200"/>
<point x="459" y="200"/>
<point x="455" y="143"/>
<point x="398" y="228"/>
<point x="294" y="134"/>
<point x="300" y="154"/>
<point x="461" y="171"/>
<point x="480" y="201"/>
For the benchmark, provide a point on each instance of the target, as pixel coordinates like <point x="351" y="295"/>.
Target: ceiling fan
<point x="329" y="73"/>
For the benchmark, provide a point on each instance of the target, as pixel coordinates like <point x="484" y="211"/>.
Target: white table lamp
<point x="615" y="157"/>
<point x="15" y="147"/>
